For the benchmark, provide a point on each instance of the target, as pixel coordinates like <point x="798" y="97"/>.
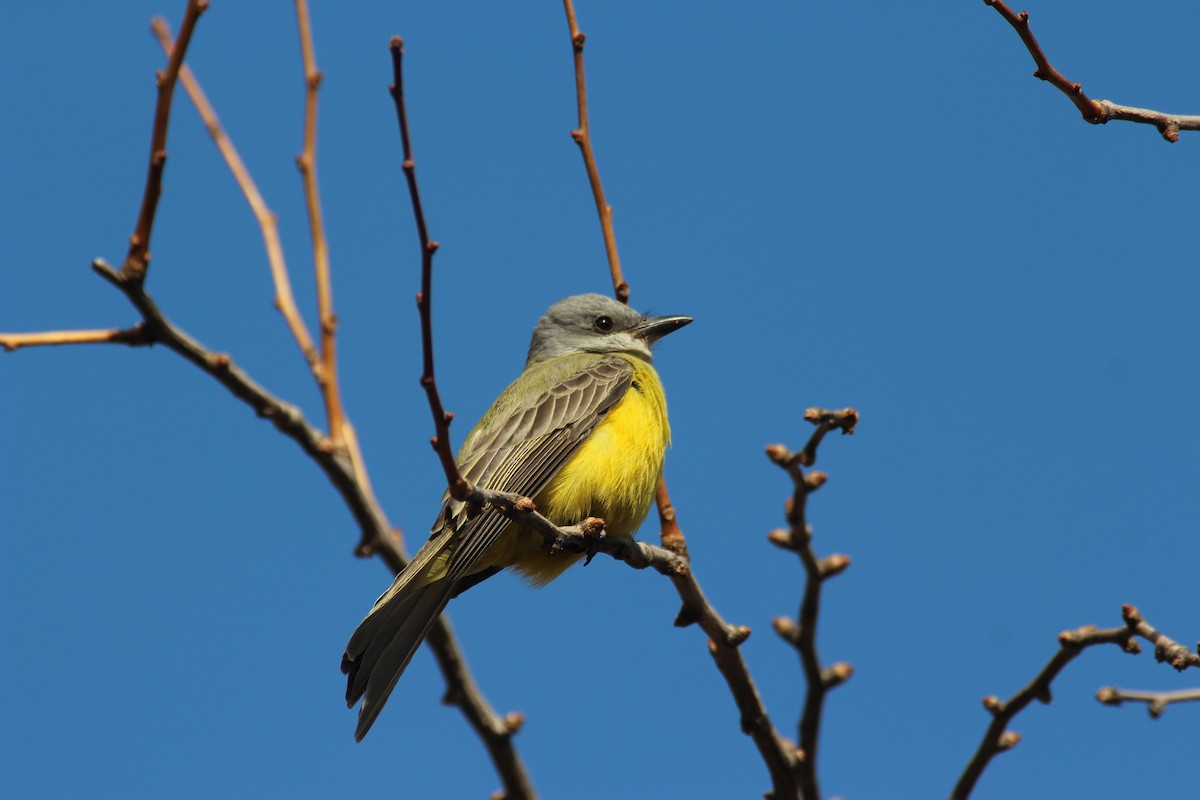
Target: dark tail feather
<point x="384" y="643"/>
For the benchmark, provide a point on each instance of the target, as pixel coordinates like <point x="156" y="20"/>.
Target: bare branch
<point x="1096" y="112"/>
<point x="496" y="732"/>
<point x="286" y="417"/>
<point x="307" y="162"/>
<point x="134" y="337"/>
<point x="458" y="485"/>
<point x="137" y="259"/>
<point x="583" y="138"/>
<point x="284" y="300"/>
<point x="724" y="640"/>
<point x="997" y="739"/>
<point x="801" y="632"/>
<point x="267" y="222"/>
<point x="1156" y="702"/>
<point x="1166" y="650"/>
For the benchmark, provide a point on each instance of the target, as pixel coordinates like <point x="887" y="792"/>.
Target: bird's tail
<point x="385" y="641"/>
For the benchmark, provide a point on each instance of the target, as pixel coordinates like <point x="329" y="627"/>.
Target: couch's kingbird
<point x="582" y="431"/>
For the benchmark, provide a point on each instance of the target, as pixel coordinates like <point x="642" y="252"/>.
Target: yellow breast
<point x="613" y="475"/>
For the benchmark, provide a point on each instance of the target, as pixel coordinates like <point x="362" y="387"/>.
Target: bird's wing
<point x="527" y="441"/>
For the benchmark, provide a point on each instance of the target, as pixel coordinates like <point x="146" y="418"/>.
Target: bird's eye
<point x="604" y="324"/>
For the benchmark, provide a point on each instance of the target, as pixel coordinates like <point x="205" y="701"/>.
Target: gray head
<point x="593" y="323"/>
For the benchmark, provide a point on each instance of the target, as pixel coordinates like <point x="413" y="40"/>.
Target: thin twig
<point x="801" y="632"/>
<point x="307" y="162"/>
<point x="134" y="337"/>
<point x="724" y="639"/>
<point x="1166" y="649"/>
<point x="496" y="732"/>
<point x="583" y="138"/>
<point x="1096" y="112"/>
<point x="1156" y="702"/>
<point x="267" y="221"/>
<point x="458" y="485"/>
<point x="997" y="738"/>
<point x="137" y="259"/>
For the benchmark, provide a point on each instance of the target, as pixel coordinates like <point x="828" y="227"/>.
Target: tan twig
<point x="134" y="337"/>
<point x="801" y="632"/>
<point x="1096" y="112"/>
<point x="1156" y="702"/>
<point x="496" y="732"/>
<point x="997" y="738"/>
<point x="267" y="222"/>
<point x="307" y="162"/>
<point x="583" y="138"/>
<point x="137" y="259"/>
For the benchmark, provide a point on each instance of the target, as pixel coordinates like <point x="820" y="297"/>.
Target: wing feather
<point x="524" y="446"/>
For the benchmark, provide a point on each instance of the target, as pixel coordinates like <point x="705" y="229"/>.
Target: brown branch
<point x="134" y="337"/>
<point x="582" y="137"/>
<point x="997" y="738"/>
<point x="343" y="466"/>
<point x="1096" y="112"/>
<point x="1166" y="650"/>
<point x="307" y="162"/>
<point x="458" y="486"/>
<point x="287" y="418"/>
<point x="801" y="632"/>
<point x="1156" y="702"/>
<point x="267" y="221"/>
<point x="137" y="259"/>
<point x="496" y="732"/>
<point x="724" y="640"/>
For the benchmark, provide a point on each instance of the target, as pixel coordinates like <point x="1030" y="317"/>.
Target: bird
<point x="582" y="431"/>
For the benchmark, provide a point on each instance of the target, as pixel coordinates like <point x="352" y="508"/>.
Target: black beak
<point x="654" y="328"/>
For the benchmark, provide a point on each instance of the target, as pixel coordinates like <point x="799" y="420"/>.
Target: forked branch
<point x="268" y="224"/>
<point x="284" y="301"/>
<point x="998" y="738"/>
<point x="1097" y="112"/>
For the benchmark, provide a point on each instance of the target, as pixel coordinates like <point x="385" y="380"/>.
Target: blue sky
<point x="869" y="206"/>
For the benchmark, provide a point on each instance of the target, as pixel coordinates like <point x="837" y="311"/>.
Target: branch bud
<point x="787" y="629"/>
<point x="778" y="454"/>
<point x="833" y="565"/>
<point x="782" y="538"/>
<point x="836" y="675"/>
<point x="513" y="721"/>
